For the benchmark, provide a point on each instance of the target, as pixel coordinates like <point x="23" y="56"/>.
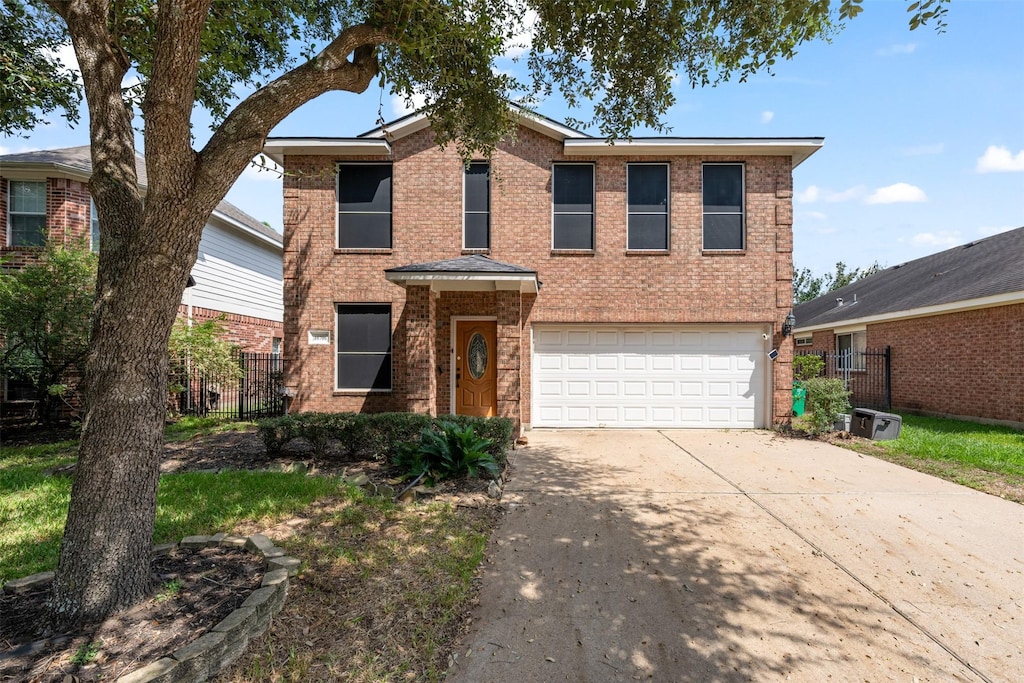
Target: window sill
<point x="17" y="247"/>
<point x="468" y="252"/>
<point x="648" y="252"/>
<point x="723" y="252"/>
<point x="359" y="392"/>
<point x="573" y="252"/>
<point x="346" y="250"/>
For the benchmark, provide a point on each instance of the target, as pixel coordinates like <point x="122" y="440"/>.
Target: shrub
<point x="376" y="435"/>
<point x="807" y="366"/>
<point x="826" y="398"/>
<point x="447" y="452"/>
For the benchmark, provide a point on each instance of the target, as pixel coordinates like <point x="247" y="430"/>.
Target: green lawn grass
<point x="33" y="504"/>
<point x="985" y="447"/>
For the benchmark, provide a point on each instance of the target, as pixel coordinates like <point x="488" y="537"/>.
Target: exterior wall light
<point x="788" y="325"/>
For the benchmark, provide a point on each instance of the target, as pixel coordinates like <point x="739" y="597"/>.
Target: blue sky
<point x="924" y="133"/>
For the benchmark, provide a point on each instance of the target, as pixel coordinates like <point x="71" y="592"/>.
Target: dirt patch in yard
<point x="193" y="591"/>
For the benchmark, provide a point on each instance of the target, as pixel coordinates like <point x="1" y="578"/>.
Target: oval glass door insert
<point x="476" y="355"/>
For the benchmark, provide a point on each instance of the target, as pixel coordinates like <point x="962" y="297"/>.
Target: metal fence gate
<point x="256" y="392"/>
<point x="867" y="374"/>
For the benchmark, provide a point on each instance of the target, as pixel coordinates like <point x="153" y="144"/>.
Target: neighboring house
<point x="953" y="320"/>
<point x="567" y="283"/>
<point x="44" y="197"/>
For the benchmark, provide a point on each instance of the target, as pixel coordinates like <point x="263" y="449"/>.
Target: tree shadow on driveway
<point x="621" y="558"/>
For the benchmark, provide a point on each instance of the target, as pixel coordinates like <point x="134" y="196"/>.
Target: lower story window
<point x="851" y="349"/>
<point x="364" y="347"/>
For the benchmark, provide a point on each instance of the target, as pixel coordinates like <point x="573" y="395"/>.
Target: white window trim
<point x="12" y="212"/>
<point x="668" y="205"/>
<point x="804" y="341"/>
<point x="592" y="214"/>
<point x="743" y="213"/>
<point x="859" y="361"/>
<point x="337" y="203"/>
<point x="337" y="336"/>
<point x="465" y="210"/>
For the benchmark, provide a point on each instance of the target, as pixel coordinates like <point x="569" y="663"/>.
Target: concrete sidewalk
<point x="737" y="556"/>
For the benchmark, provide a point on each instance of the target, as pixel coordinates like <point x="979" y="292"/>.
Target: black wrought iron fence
<point x="254" y="392"/>
<point x="868" y="375"/>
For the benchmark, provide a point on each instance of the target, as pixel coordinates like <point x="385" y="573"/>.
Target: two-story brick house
<point x="237" y="277"/>
<point x="566" y="283"/>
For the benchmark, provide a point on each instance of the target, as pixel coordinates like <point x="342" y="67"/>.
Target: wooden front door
<point x="476" y="374"/>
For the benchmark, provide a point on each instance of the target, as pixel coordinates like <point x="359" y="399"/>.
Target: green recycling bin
<point x="799" y="398"/>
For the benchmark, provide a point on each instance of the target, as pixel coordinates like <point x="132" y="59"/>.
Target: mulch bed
<point x="213" y="582"/>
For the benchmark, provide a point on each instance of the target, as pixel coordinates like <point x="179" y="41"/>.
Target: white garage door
<point x="639" y="376"/>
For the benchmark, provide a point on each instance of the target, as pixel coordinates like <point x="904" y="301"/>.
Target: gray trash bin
<point x="874" y="424"/>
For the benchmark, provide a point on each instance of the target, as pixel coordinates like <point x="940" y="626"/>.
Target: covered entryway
<point x="649" y="376"/>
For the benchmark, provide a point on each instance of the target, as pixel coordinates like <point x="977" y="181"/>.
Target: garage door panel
<point x="646" y="376"/>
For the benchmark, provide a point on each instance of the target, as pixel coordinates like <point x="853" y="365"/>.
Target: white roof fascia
<point x="242" y="227"/>
<point x="798" y="148"/>
<point x="439" y="280"/>
<point x="1006" y="299"/>
<point x="41" y="170"/>
<point x="527" y="118"/>
<point x="277" y="148"/>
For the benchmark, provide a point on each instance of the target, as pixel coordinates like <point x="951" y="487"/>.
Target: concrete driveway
<point x="737" y="556"/>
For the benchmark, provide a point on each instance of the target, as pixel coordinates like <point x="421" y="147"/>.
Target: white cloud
<point x="845" y="195"/>
<point x="898" y="193"/>
<point x="808" y="196"/>
<point x="262" y="168"/>
<point x="767" y="116"/>
<point x="1000" y="160"/>
<point x="816" y="215"/>
<point x="923" y="150"/>
<point x="896" y="49"/>
<point x="519" y="44"/>
<point x="65" y="54"/>
<point x="401" y="107"/>
<point x="943" y="238"/>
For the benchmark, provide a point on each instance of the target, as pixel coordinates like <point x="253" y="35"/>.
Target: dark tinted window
<point x="364" y="346"/>
<point x="572" y="189"/>
<point x="478" y="206"/>
<point x="647" y="206"/>
<point x="364" y="206"/>
<point x="723" y="206"/>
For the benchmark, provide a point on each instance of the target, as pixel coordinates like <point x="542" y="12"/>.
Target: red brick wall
<point x="966" y="363"/>
<point x="248" y="333"/>
<point x="608" y="285"/>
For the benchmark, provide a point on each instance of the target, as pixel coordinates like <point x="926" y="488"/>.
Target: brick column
<point x="420" y="350"/>
<point x="509" y="311"/>
<point x="782" y="375"/>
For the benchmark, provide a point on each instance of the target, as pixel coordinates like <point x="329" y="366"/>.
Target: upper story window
<point x="647" y="206"/>
<point x="572" y="192"/>
<point x="364" y="347"/>
<point x="26" y="214"/>
<point x="477" y="201"/>
<point x="364" y="206"/>
<point x="723" y="207"/>
<point x="94" y="227"/>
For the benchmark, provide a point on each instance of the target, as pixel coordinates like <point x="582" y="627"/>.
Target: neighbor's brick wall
<point x="967" y="363"/>
<point x="608" y="285"/>
<point x="67" y="218"/>
<point x="246" y="332"/>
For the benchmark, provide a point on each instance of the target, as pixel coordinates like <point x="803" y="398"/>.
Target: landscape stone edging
<point x="224" y="643"/>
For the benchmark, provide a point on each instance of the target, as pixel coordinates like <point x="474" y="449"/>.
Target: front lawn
<point x="384" y="590"/>
<point x="985" y="457"/>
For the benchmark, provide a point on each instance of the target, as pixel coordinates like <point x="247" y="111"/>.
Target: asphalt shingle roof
<point x="80" y="159"/>
<point x="985" y="267"/>
<point x="477" y="263"/>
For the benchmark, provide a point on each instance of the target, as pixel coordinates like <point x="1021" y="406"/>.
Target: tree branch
<point x="241" y="136"/>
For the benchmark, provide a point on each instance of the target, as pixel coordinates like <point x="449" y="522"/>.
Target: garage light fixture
<point x="789" y="324"/>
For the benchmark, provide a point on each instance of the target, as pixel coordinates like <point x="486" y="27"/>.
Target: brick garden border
<point x="212" y="652"/>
